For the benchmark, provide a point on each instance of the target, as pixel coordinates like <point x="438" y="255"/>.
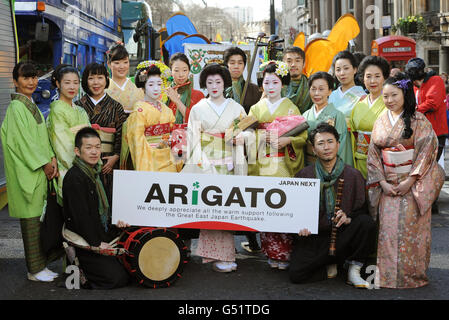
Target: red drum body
<point x="156" y="257"/>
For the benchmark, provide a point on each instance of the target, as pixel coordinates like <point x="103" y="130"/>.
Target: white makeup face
<point x="272" y="85"/>
<point x="215" y="86"/>
<point x="153" y="87"/>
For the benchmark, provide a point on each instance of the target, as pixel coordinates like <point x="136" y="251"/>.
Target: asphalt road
<point x="253" y="279"/>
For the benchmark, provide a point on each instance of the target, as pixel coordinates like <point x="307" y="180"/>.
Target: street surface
<point x="253" y="279"/>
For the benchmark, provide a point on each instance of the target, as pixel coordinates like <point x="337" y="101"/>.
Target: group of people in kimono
<point x="371" y="139"/>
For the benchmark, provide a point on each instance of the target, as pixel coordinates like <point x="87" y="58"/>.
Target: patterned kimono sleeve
<point x="120" y="118"/>
<point x="430" y="175"/>
<point x="375" y="171"/>
<point x="345" y="151"/>
<point x="426" y="148"/>
<point x="294" y="155"/>
<point x="139" y="148"/>
<point x="62" y="139"/>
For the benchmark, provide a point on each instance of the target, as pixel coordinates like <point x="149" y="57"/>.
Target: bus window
<point x="81" y="60"/>
<point x="69" y="54"/>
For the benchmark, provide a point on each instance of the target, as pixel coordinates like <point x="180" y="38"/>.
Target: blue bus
<point x="74" y="32"/>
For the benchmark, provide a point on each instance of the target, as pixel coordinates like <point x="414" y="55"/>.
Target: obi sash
<point x="158" y="129"/>
<point x="265" y="126"/>
<point x="398" y="160"/>
<point x="362" y="139"/>
<point x="178" y="140"/>
<point x="225" y="155"/>
<point x="107" y="137"/>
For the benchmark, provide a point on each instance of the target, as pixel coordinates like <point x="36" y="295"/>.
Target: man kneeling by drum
<point x="86" y="214"/>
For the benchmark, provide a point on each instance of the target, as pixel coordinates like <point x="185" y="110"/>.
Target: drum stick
<point x="114" y="242"/>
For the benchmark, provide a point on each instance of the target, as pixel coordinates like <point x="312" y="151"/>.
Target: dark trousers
<point x="310" y="256"/>
<point x="441" y="144"/>
<point x="102" y="272"/>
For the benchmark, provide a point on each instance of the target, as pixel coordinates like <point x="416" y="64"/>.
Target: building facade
<point x="376" y="18"/>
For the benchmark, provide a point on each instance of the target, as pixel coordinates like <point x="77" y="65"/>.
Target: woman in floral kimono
<point x="347" y="94"/>
<point x="148" y="127"/>
<point x="121" y="88"/>
<point x="65" y="120"/>
<point x="277" y="156"/>
<point x="403" y="181"/>
<point x="374" y="70"/>
<point x="209" y="153"/>
<point x="321" y="84"/>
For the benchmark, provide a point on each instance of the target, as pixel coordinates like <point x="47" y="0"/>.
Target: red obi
<point x="158" y="129"/>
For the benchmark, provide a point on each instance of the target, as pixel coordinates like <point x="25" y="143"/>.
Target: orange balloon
<point x="300" y="41"/>
<point x="344" y="30"/>
<point x="319" y="56"/>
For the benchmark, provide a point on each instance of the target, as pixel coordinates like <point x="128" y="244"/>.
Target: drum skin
<point x="156" y="256"/>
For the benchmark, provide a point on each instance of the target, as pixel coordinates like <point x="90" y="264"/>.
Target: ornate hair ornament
<point x="281" y="67"/>
<point x="403" y="84"/>
<point x="114" y="45"/>
<point x="165" y="74"/>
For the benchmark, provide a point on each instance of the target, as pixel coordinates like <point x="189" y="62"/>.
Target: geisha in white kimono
<point x="209" y="153"/>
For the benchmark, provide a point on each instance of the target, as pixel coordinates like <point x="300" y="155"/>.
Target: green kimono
<point x="63" y="122"/>
<point x="337" y="119"/>
<point x="298" y="92"/>
<point x="361" y="123"/>
<point x="276" y="163"/>
<point x="26" y="149"/>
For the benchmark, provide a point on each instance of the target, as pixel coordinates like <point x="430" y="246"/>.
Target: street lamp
<point x="272" y="18"/>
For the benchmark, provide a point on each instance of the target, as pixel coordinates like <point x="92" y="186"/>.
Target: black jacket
<point x="81" y="215"/>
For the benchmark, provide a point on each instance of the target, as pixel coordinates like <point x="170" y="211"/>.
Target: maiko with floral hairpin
<point x="277" y="156"/>
<point x="146" y="136"/>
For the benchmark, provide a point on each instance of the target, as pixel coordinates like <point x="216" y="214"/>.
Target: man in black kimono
<point x="235" y="60"/>
<point x="86" y="213"/>
<point x="356" y="230"/>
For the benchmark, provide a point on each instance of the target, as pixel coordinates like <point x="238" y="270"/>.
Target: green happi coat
<point x="63" y="122"/>
<point x="26" y="149"/>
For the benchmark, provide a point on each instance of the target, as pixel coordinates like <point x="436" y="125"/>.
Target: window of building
<point x="433" y="57"/>
<point x="387" y="7"/>
<point x="433" y="5"/>
<point x="302" y="3"/>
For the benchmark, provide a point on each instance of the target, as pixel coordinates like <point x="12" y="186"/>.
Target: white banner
<point x="200" y="54"/>
<point x="220" y="202"/>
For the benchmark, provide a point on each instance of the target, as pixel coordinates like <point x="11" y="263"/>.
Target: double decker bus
<point x="74" y="32"/>
<point x="8" y="59"/>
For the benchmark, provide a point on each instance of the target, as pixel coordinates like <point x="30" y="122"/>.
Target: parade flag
<point x="300" y="41"/>
<point x="344" y="30"/>
<point x="319" y="56"/>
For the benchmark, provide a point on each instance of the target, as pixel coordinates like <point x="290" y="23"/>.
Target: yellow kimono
<point x="127" y="95"/>
<point x="361" y="124"/>
<point x="276" y="163"/>
<point x="147" y="128"/>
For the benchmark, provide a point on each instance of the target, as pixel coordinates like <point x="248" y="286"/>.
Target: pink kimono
<point x="403" y="251"/>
